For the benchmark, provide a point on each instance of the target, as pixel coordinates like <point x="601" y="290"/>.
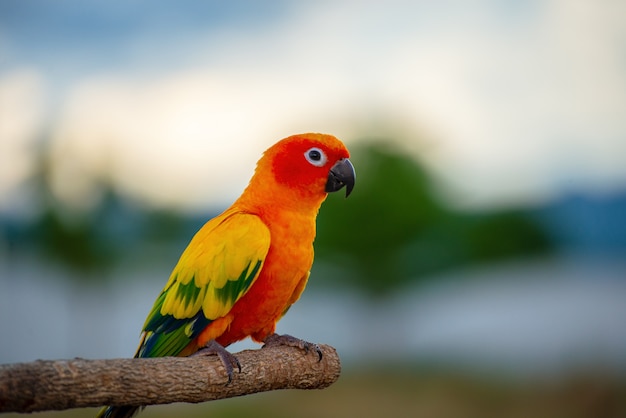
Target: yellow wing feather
<point x="226" y="250"/>
<point x="219" y="265"/>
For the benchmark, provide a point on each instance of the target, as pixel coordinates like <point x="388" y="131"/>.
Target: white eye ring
<point x="315" y="156"/>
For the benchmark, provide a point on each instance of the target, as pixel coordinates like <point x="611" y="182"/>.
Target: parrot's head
<point x="305" y="167"/>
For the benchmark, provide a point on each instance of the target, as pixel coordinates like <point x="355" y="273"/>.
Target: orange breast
<point x="279" y="284"/>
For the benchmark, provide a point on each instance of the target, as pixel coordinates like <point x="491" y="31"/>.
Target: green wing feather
<point x="219" y="265"/>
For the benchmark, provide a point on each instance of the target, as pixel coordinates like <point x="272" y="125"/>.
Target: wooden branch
<point x="63" y="384"/>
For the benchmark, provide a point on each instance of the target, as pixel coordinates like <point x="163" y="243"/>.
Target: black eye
<point x="316" y="157"/>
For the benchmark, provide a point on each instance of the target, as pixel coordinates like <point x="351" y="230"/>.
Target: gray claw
<point x="290" y="341"/>
<point x="229" y="361"/>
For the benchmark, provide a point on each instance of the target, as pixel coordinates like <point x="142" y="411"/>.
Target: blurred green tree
<point x="394" y="229"/>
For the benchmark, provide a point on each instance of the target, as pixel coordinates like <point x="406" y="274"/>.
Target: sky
<point x="506" y="102"/>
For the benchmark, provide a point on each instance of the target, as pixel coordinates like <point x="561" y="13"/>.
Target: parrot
<point x="243" y="269"/>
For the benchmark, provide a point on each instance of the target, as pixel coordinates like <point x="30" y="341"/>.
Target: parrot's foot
<point x="288" y="340"/>
<point x="228" y="360"/>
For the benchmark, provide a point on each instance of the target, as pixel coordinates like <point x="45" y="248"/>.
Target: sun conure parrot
<point x="244" y="268"/>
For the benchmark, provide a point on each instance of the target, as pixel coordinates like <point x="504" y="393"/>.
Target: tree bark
<point x="62" y="384"/>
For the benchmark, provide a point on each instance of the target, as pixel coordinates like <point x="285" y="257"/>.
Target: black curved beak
<point x="341" y="174"/>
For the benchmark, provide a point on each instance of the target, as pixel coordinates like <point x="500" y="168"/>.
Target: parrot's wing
<point x="219" y="265"/>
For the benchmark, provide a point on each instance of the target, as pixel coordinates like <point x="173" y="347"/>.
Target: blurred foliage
<point x="394" y="229"/>
<point x="73" y="242"/>
<point x="96" y="241"/>
<point x="91" y="242"/>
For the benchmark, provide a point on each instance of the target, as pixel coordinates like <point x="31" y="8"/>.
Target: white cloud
<point x="518" y="111"/>
<point x="517" y="102"/>
<point x="190" y="138"/>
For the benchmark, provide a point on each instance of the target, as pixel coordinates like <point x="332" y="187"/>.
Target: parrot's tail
<point x="119" y="411"/>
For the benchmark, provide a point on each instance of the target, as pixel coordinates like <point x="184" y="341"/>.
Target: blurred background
<point x="479" y="267"/>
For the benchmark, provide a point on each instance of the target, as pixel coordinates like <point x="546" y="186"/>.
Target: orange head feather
<point x="299" y="171"/>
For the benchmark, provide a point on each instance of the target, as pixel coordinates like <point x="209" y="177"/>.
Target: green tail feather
<point x="119" y="411"/>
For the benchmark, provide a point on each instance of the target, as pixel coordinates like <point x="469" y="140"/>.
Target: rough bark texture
<point x="63" y="384"/>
